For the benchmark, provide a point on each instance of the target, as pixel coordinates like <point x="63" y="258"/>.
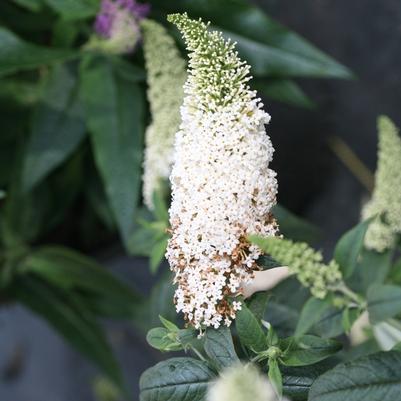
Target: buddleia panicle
<point x="305" y="262"/>
<point x="218" y="76"/>
<point x="222" y="187"/>
<point x="166" y="75"/>
<point x="242" y="382"/>
<point x="386" y="199"/>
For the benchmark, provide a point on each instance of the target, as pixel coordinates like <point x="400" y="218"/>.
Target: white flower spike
<point x="166" y="76"/>
<point x="222" y="187"/>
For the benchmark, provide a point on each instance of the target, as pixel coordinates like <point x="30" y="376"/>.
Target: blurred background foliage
<point x="71" y="152"/>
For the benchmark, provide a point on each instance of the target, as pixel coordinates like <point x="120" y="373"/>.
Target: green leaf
<point x="161" y="339"/>
<point x="266" y="262"/>
<point x="257" y="304"/>
<point x="298" y="380"/>
<point x="178" y="379"/>
<point x="57" y="129"/>
<point x="294" y="227"/>
<point x="270" y="48"/>
<point x="70" y="270"/>
<point x="330" y="323"/>
<point x="275" y="376"/>
<point x="115" y="112"/>
<point x="249" y="330"/>
<point x="384" y="301"/>
<point x="20" y="91"/>
<point x="284" y="90"/>
<point x="372" y="268"/>
<point x="307" y="350"/>
<point x="31" y="5"/>
<point x="170" y="326"/>
<point x="312" y="311"/>
<point x="160" y="206"/>
<point x="74" y="9"/>
<point x="16" y="54"/>
<point x="219" y="347"/>
<point x="157" y="254"/>
<point x="349" y="316"/>
<point x="349" y="247"/>
<point x="71" y="319"/>
<point x="373" y="377"/>
<point x="159" y="303"/>
<point x="387" y="334"/>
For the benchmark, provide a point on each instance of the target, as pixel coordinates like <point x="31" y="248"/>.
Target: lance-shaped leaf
<point x="17" y="54"/>
<point x="70" y="317"/>
<point x="269" y="47"/>
<point x="115" y="113"/>
<point x="58" y="126"/>
<point x="219" y="347"/>
<point x="74" y="9"/>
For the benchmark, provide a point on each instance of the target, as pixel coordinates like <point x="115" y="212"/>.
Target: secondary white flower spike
<point x="222" y="188"/>
<point x="386" y="199"/>
<point x="242" y="383"/>
<point x="166" y="76"/>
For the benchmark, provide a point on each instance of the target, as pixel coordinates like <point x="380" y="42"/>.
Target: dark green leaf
<point x="372" y="268"/>
<point x="349" y="247"/>
<point x="70" y="270"/>
<point x="160" y="302"/>
<point x="384" y="301"/>
<point x="157" y="254"/>
<point x="275" y="376"/>
<point x="307" y="350"/>
<point x="127" y="70"/>
<point x="294" y="227"/>
<point x="178" y="379"/>
<point x="16" y="54"/>
<point x="70" y="318"/>
<point x="349" y="316"/>
<point x="25" y="93"/>
<point x="329" y="323"/>
<point x="58" y="127"/>
<point x="311" y="313"/>
<point x="257" y="304"/>
<point x="249" y="330"/>
<point x="284" y="90"/>
<point x="298" y="380"/>
<point x="74" y="9"/>
<point x="270" y="48"/>
<point x="266" y="262"/>
<point x="32" y="5"/>
<point x="219" y="347"/>
<point x="115" y="112"/>
<point x="373" y="377"/>
<point x="161" y="208"/>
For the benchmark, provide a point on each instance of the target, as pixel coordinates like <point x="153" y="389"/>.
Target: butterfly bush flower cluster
<point x="117" y="26"/>
<point x="222" y="187"/>
<point x="306" y="263"/>
<point x="242" y="382"/>
<point x="166" y="71"/>
<point x="386" y="200"/>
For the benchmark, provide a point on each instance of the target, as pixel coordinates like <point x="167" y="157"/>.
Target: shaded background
<point x="35" y="363"/>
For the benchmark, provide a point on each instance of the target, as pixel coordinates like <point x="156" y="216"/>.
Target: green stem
<point x="353" y="296"/>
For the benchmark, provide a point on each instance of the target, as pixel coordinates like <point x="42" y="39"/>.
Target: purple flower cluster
<point x="110" y="9"/>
